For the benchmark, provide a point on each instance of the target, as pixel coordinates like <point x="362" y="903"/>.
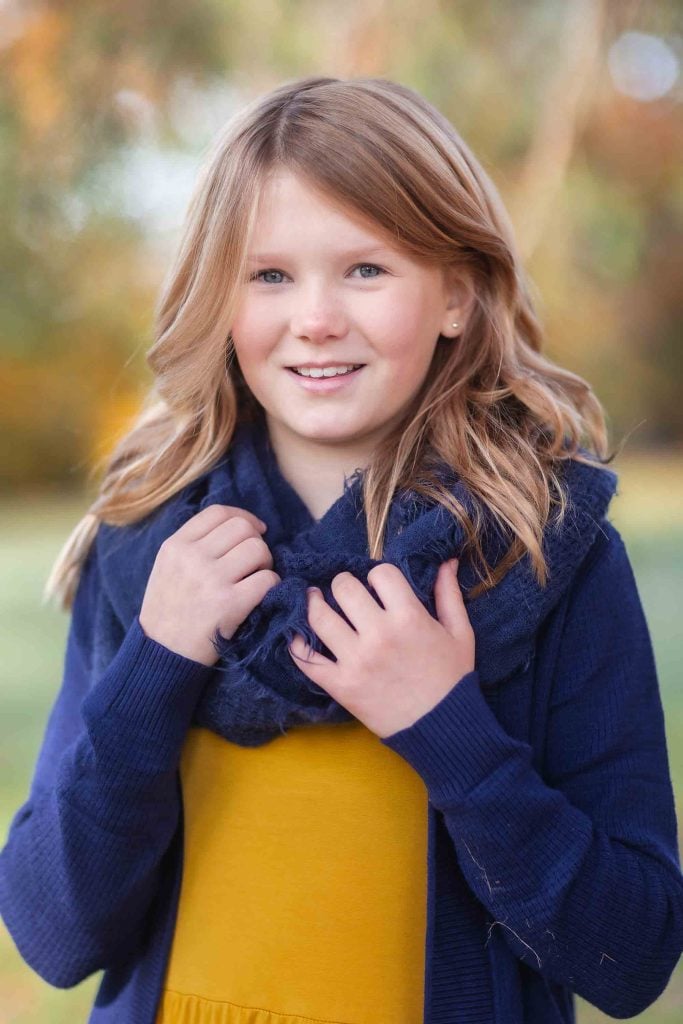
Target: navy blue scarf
<point x="257" y="691"/>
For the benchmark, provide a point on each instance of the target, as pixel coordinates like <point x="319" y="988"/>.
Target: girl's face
<point x="327" y="289"/>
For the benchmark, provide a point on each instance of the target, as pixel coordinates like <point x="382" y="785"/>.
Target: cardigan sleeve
<point x="580" y="867"/>
<point x="81" y="861"/>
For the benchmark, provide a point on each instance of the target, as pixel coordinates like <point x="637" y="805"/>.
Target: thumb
<point x="450" y="606"/>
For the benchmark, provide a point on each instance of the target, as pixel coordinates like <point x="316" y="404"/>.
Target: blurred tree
<point x="105" y="109"/>
<point x="82" y="83"/>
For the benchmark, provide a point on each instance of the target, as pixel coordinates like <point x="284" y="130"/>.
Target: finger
<point x="447" y="578"/>
<point x="355" y="601"/>
<point x="392" y="587"/>
<point x="231" y="534"/>
<point x="212" y="516"/>
<point x="330" y="627"/>
<point x="450" y="605"/>
<point x="313" y="664"/>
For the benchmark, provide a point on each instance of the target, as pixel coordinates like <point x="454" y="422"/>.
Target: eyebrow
<point x="370" y="250"/>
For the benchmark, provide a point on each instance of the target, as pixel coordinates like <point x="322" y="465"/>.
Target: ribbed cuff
<point x="456" y="744"/>
<point x="150" y="688"/>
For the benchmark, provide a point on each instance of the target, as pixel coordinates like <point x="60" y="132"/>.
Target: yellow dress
<point x="303" y="895"/>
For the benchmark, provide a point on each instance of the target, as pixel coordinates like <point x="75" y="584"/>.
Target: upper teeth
<point x="328" y="371"/>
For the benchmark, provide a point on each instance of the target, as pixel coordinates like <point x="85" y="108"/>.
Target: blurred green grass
<point x="646" y="510"/>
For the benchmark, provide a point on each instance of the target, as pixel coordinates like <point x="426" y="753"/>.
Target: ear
<point x="460" y="297"/>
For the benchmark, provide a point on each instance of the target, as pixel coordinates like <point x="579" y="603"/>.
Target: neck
<point x="315" y="469"/>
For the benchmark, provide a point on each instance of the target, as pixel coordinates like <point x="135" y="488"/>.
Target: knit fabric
<point x="258" y="690"/>
<point x="553" y="865"/>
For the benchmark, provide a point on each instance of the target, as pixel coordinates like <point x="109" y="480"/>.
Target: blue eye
<point x="373" y="266"/>
<point x="258" y="275"/>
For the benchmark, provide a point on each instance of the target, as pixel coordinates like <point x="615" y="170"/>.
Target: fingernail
<point x="312" y="590"/>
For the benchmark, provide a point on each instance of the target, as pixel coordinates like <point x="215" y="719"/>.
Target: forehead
<point x="285" y="197"/>
<point x="295" y="214"/>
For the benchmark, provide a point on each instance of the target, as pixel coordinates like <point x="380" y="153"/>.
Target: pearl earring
<point x="455" y="325"/>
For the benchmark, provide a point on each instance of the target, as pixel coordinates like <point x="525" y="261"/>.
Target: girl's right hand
<point x="210" y="573"/>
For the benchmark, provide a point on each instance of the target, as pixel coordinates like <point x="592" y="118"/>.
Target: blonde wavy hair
<point x="491" y="405"/>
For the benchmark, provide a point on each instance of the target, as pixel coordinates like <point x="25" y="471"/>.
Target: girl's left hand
<point x="397" y="662"/>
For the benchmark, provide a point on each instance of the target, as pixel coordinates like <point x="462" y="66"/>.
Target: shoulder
<point x="606" y="563"/>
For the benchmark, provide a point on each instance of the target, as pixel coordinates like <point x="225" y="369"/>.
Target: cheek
<point x="250" y="338"/>
<point x="410" y="352"/>
<point x="404" y="326"/>
<point x="250" y="317"/>
<point x="408" y="377"/>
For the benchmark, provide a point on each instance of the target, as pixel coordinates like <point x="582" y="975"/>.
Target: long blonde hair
<point x="491" y="405"/>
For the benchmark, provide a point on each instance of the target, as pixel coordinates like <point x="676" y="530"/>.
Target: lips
<point x="323" y="366"/>
<point x="324" y="384"/>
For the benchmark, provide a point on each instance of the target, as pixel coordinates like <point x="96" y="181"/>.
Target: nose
<point x="317" y="315"/>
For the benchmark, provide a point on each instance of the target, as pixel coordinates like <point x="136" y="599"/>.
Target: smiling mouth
<point x="318" y="375"/>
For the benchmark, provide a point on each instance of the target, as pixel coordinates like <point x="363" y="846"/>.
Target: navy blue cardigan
<point x="553" y="865"/>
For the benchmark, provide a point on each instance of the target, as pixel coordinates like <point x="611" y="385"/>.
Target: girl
<point x="435" y="788"/>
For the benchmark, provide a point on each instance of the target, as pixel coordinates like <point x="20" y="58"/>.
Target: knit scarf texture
<point x="257" y="691"/>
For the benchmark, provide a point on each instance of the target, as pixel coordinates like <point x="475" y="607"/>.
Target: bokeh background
<point x="106" y="110"/>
